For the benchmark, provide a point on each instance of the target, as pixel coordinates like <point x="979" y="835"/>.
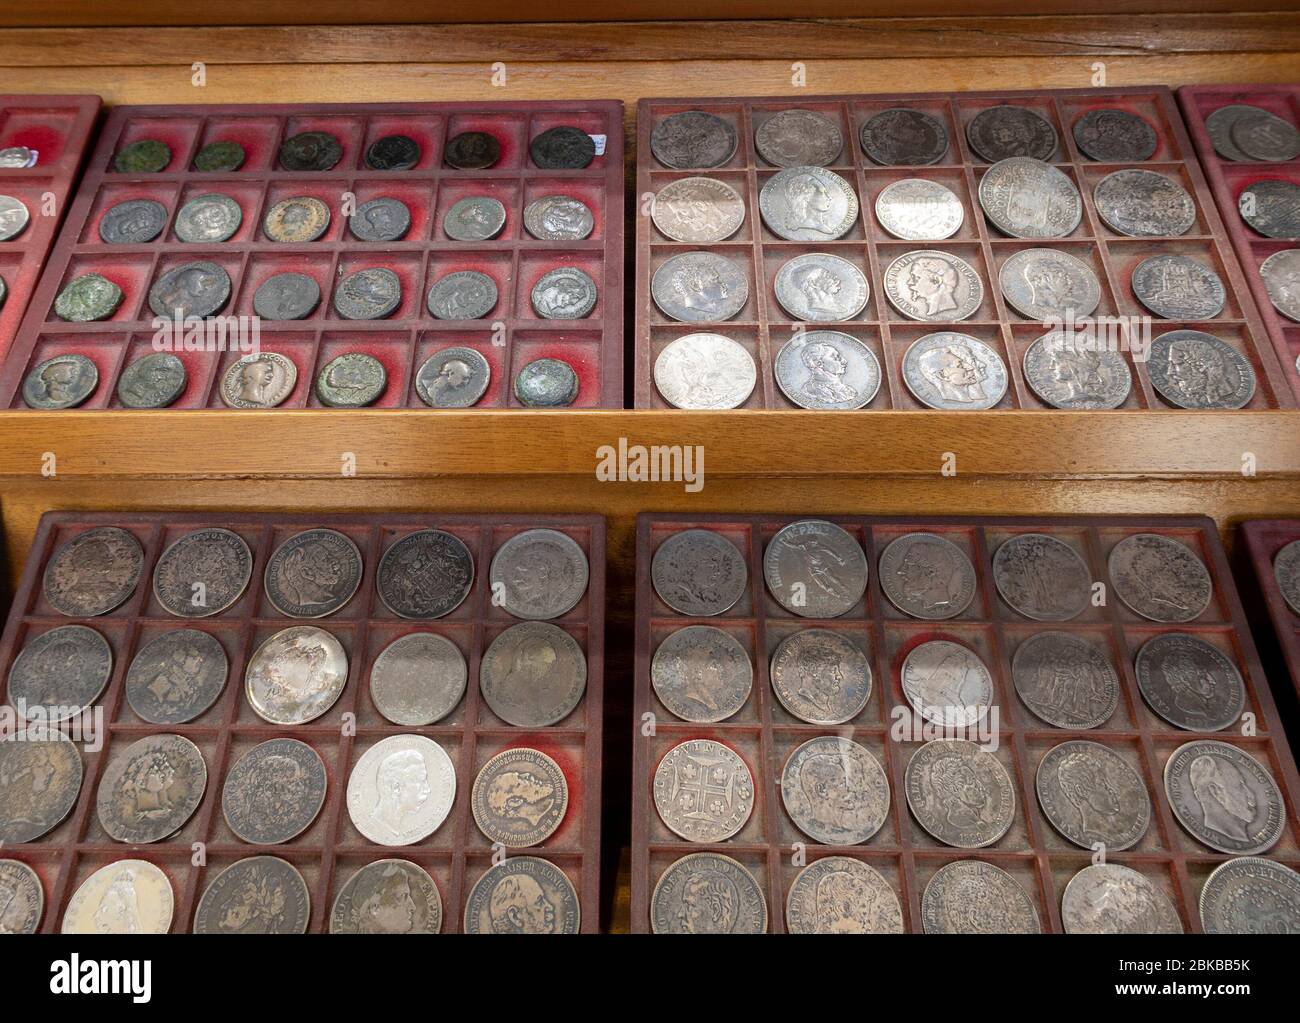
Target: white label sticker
<point x="600" y="144"/>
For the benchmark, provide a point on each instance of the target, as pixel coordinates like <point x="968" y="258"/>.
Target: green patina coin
<point x="148" y="156"/>
<point x="61" y="382"/>
<point x="547" y="383"/>
<point x="220" y="157"/>
<point x="353" y="380"/>
<point x="88" y="297"/>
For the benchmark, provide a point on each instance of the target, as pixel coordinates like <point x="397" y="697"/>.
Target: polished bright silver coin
<point x="698" y="210"/>
<point x="699" y="287"/>
<point x="418" y="679"/>
<point x="1093" y="796"/>
<point x="699" y="572"/>
<point x="815" y="569"/>
<point x="1178" y="287"/>
<point x="177" y="676"/>
<point x="1003" y="131"/>
<point x="1109" y="135"/>
<point x="835" y="791"/>
<point x="255" y="895"/>
<point x="821" y="288"/>
<point x="259" y="380"/>
<point x="901" y="136"/>
<point x="1272" y="208"/>
<point x="1066" y="680"/>
<point x="93" y="572"/>
<point x="122" y="897"/>
<point x="1159" y="578"/>
<point x="151" y="789"/>
<point x="538" y="574"/>
<point x="808" y="204"/>
<point x="1281" y="274"/>
<point x="40" y="780"/>
<point x="401" y="790"/>
<point x="296" y="675"/>
<point x="388" y="897"/>
<point x="523" y="895"/>
<point x="453" y="378"/>
<point x="703" y="791"/>
<point x="705" y="371"/>
<point x="60" y="673"/>
<point x="927" y="576"/>
<point x="1189" y="682"/>
<point x="519" y="798"/>
<point x="1195" y="370"/>
<point x="274" y="792"/>
<point x="1041" y="577"/>
<point x="919" y="210"/>
<point x="947" y="683"/>
<point x="707" y="893"/>
<point x="1224" y="798"/>
<point x="1144" y="204"/>
<point x="933" y="286"/>
<point x="1068" y="371"/>
<point x="974" y="897"/>
<point x="313" y="573"/>
<point x="952" y="371"/>
<point x="799" y="138"/>
<point x="842" y="895"/>
<point x="533" y="675"/>
<point x="1106" y="898"/>
<point x="827" y="369"/>
<point x="1026" y="198"/>
<point x="558" y="218"/>
<point x="1249" y="895"/>
<point x="701" y="674"/>
<point x="693" y="139"/>
<point x="475" y="219"/>
<point x="22" y="897"/>
<point x="1049" y="284"/>
<point x="18" y="157"/>
<point x="13" y="217"/>
<point x="1286" y="570"/>
<point x="208" y="219"/>
<point x="959" y="793"/>
<point x="820" y="676"/>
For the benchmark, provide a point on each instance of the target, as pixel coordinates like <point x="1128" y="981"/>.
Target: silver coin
<point x="22" y="898"/>
<point x="1144" y="204"/>
<point x="13" y="217"/>
<point x="1266" y="137"/>
<point x="974" y="897"/>
<point x="538" y="574"/>
<point x="835" y="791"/>
<point x="808" y="204"/>
<point x="1286" y="570"/>
<point x="821" y="677"/>
<point x="533" y="675"/>
<point x="426" y="574"/>
<point x="1159" y="578"/>
<point x="150" y="789"/>
<point x="462" y="295"/>
<point x="297" y="220"/>
<point x="351" y="380"/>
<point x="1091" y="795"/>
<point x="821" y="288"/>
<point x="842" y="895"/>
<point x="1041" y="577"/>
<point x="255" y="895"/>
<point x="1106" y="898"/>
<point x="418" y="679"/>
<point x="707" y="893"/>
<point x="705" y="371"/>
<point x="388" y="897"/>
<point x="815" y="569"/>
<point x="1026" y="198"/>
<point x="1224" y="798"/>
<point x="122" y="897"/>
<point x="1218" y="125"/>
<point x="208" y="218"/>
<point x="697" y="210"/>
<point x="1178" y="287"/>
<point x="919" y="210"/>
<point x="296" y="675"/>
<point x="933" y="286"/>
<point x="519" y="798"/>
<point x="369" y="294"/>
<point x="40" y="780"/>
<point x="260" y="380"/>
<point x="701" y="674"/>
<point x="523" y="895"/>
<point x="558" y="218"/>
<point x="1281" y="274"/>
<point x="93" y="572"/>
<point x="699" y="572"/>
<point x="799" y="138"/>
<point x="1066" y="680"/>
<point x="274" y="792"/>
<point x="202" y="573"/>
<point x="902" y="136"/>
<point x="960" y="794"/>
<point x="313" y="573"/>
<point x="133" y="222"/>
<point x="947" y="683"/>
<point x="565" y="293"/>
<point x="927" y="576"/>
<point x="177" y="676"/>
<point x="699" y="287"/>
<point x="152" y="381"/>
<point x="286" y="296"/>
<point x="1195" y="370"/>
<point x="401" y="790"/>
<point x="63" y="381"/>
<point x="1001" y="132"/>
<point x="1189" y="683"/>
<point x="953" y="371"/>
<point x="17" y="157"/>
<point x="827" y="369"/>
<point x="693" y="139"/>
<point x="475" y="219"/>
<point x="1048" y="284"/>
<point x="1070" y="371"/>
<point x="60" y="673"/>
<point x="453" y="378"/>
<point x="1250" y="895"/>
<point x="1272" y="208"/>
<point x="380" y="220"/>
<point x="1114" y="136"/>
<point x="703" y="791"/>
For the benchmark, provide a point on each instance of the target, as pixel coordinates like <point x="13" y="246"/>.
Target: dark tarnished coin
<point x="819" y="287"/>
<point x="62" y="671"/>
<point x="220" y="157"/>
<point x="699" y="287"/>
<point x="1195" y="370"/>
<point x="351" y="380"/>
<point x="1106" y="898"/>
<point x="147" y="156"/>
<point x="152" y="381"/>
<point x="286" y="296"/>
<point x="1224" y="798"/>
<point x="547" y="383"/>
<point x="701" y="674"/>
<point x="705" y="371"/>
<point x="1001" y="132"/>
<point x="927" y="576"/>
<point x="313" y="573"/>
<point x="93" y="572"/>
<point x="1281" y="274"/>
<point x="256" y="895"/>
<point x="1265" y="137"/>
<point x="1066" y="680"/>
<point x="519" y="798"/>
<point x="562" y="148"/>
<point x="708" y="893"/>
<point x="310" y="151"/>
<point x="1114" y="136"/>
<point x="917" y="209"/>
<point x="63" y="381"/>
<point x="300" y="219"/>
<point x="953" y="371"/>
<point x="296" y="675"/>
<point x="799" y="138"/>
<point x="815" y="569"/>
<point x="538" y="574"/>
<point x="808" y="204"/>
<point x="1189" y="683"/>
<point x="703" y="791"/>
<point x="1047" y="284"/>
<point x="1159" y="578"/>
<point x="369" y="294"/>
<point x="960" y="793"/>
<point x="453" y="378"/>
<point x="263" y="380"/>
<point x="380" y="220"/>
<point x="1069" y="371"/>
<point x="426" y="574"/>
<point x="40" y="779"/>
<point x="698" y="572"/>
<point x="533" y="675"/>
<point x="418" y="679"/>
<point x="122" y="897"/>
<point x="388" y="897"/>
<point x="401" y="790"/>
<point x="1144" y="204"/>
<point x="208" y="218"/>
<point x="1041" y="577"/>
<point x="1026" y="198"/>
<point x="1093" y="796"/>
<point x="901" y="137"/>
<point x="1218" y="125"/>
<point x="133" y="222"/>
<point x="1250" y="895"/>
<point x="947" y="684"/>
<point x="202" y="573"/>
<point x="393" y="153"/>
<point x="150" y="789"/>
<point x="835" y="791"/>
<point x="697" y="210"/>
<point x="475" y="219"/>
<point x="22" y="898"/>
<point x="1178" y="287"/>
<point x="176" y="676"/>
<point x="1286" y="570"/>
<point x="1272" y="208"/>
<point x="191" y="289"/>
<point x="523" y="895"/>
<point x="462" y="295"/>
<point x="821" y="676"/>
<point x="86" y="298"/>
<point x="842" y="895"/>
<point x="974" y="897"/>
<point x="933" y="286"/>
<point x="472" y="150"/>
<point x="555" y="218"/>
<point x="565" y="293"/>
<point x="693" y="139"/>
<point x="13" y="217"/>
<point x="274" y="792"/>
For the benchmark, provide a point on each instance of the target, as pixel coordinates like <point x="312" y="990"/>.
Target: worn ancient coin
<point x="562" y="148"/>
<point x="959" y="793"/>
<point x="533" y="675"/>
<point x="798" y="138"/>
<point x="693" y="139"/>
<point x="1144" y="204"/>
<point x="40" y="779"/>
<point x="1272" y="208"/>
<point x="388" y="897"/>
<point x="274" y="792"/>
<point x="1069" y="371"/>
<point x="827" y="369"/>
<point x="453" y="378"/>
<point x="705" y="371"/>
<point x="474" y="219"/>
<point x="565" y="293"/>
<point x="1250" y="895"/>
<point x="699" y="287"/>
<point x="220" y="157"/>
<point x="1091" y="794"/>
<point x="22" y="898"/>
<point x="380" y="220"/>
<point x="393" y="153"/>
<point x="953" y="371"/>
<point x="462" y="295"/>
<point x="1159" y="578"/>
<point x="286" y="296"/>
<point x="519" y="798"/>
<point x="1001" y="132"/>
<point x="1195" y="370"/>
<point x="13" y="217"/>
<point x="701" y="674"/>
<point x="1066" y="680"/>
<point x="927" y="576"/>
<point x="93" y="572"/>
<point x="208" y="218"/>
<point x="917" y="209"/>
<point x="86" y="298"/>
<point x="191" y="289"/>
<point x="698" y="210"/>
<point x="296" y="675"/>
<point x="1106" y="898"/>
<point x="149" y="790"/>
<point x="418" y="679"/>
<point x="202" y="573"/>
<point x="255" y="895"/>
<point x="835" y="791"/>
<point x="313" y="573"/>
<point x="472" y="150"/>
<point x="351" y="380"/>
<point x="947" y="683"/>
<point x="1114" y="136"/>
<point x="152" y="381"/>
<point x="310" y="151"/>
<point x="1218" y="125"/>
<point x="133" y="222"/>
<point x="297" y="220"/>
<point x="901" y="136"/>
<point x="1266" y="137"/>
<point x="547" y="383"/>
<point x="63" y="381"/>
<point x="1026" y="198"/>
<point x="555" y="218"/>
<point x="933" y="286"/>
<point x="146" y="156"/>
<point x="122" y="897"/>
<point x="820" y="287"/>
<point x="176" y="677"/>
<point x="821" y="677"/>
<point x="369" y="294"/>
<point x="18" y="157"/>
<point x="699" y="572"/>
<point x="815" y="569"/>
<point x="703" y="791"/>
<point x="538" y="574"/>
<point x="1286" y="570"/>
<point x="1224" y="798"/>
<point x="1281" y="274"/>
<point x="263" y="380"/>
<point x="1178" y="287"/>
<point x="1189" y="683"/>
<point x="708" y="893"/>
<point x="1041" y="577"/>
<point x="974" y="897"/>
<point x="1047" y="284"/>
<point x="808" y="204"/>
<point x="62" y="671"/>
<point x="523" y="895"/>
<point x="401" y="790"/>
<point x="841" y="895"/>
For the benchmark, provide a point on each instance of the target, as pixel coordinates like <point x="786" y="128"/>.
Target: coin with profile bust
<point x="472" y="150"/>
<point x="286" y="296"/>
<point x="1281" y="274"/>
<point x="519" y="798"/>
<point x="798" y="138"/>
<point x="274" y="792"/>
<point x="1108" y="898"/>
<point x="954" y="372"/>
<point x="808" y="204"/>
<point x="476" y="218"/>
<point x="22" y="898"/>
<point x="1110" y="135"/>
<point x="208" y="218"/>
<point x="453" y="378"/>
<point x="702" y="674"/>
<point x="401" y="789"/>
<point x="1159" y="578"/>
<point x="198" y="289"/>
<point x="821" y="676"/>
<point x="462" y="295"/>
<point x="151" y="789"/>
<point x="842" y="895"/>
<point x="835" y="791"/>
<point x="93" y="572"/>
<point x="933" y="286"/>
<point x="539" y="574"/>
<point x="707" y="893"/>
<point x="313" y="573"/>
<point x="1068" y="371"/>
<point x="565" y="293"/>
<point x="901" y="136"/>
<point x="975" y="897"/>
<point x="820" y="287"/>
<point x="83" y="299"/>
<point x="1189" y="682"/>
<point x="1046" y="284"/>
<point x="60" y="673"/>
<point x="368" y="294"/>
<point x="927" y="576"/>
<point x="122" y="897"/>
<point x="703" y="791"/>
<point x="40" y="780"/>
<point x="699" y="287"/>
<point x="388" y="897"/>
<point x="255" y="895"/>
<point x="297" y="220"/>
<point x="1092" y="796"/>
<point x="259" y="380"/>
<point x="1196" y="370"/>
<point x="959" y="793"/>
<point x="523" y="895"/>
<point x="556" y="218"/>
<point x="384" y="219"/>
<point x="698" y="210"/>
<point x="827" y="369"/>
<point x="699" y="572"/>
<point x="1224" y="798"/>
<point x="533" y="675"/>
<point x="133" y="222"/>
<point x="62" y="381"/>
<point x="296" y="675"/>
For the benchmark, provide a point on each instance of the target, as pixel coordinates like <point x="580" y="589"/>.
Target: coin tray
<point x="763" y="733"/>
<point x="509" y="337"/>
<point x="762" y="327"/>
<point x="58" y="128"/>
<point x="1263" y="539"/>
<point x="1228" y="178"/>
<point x="331" y="850"/>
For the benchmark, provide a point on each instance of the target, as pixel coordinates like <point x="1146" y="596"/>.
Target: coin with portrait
<point x="40" y="779"/>
<point x="539" y="574"/>
<point x="93" y="572"/>
<point x="313" y="573"/>
<point x="296" y="675"/>
<point x="150" y="789"/>
<point x="401" y="790"/>
<point x="821" y="676"/>
<point x="952" y="371"/>
<point x="523" y="895"/>
<point x="122" y="897"/>
<point x="702" y="674"/>
<point x="959" y="793"/>
<point x="519" y="798"/>
<point x="835" y="791"/>
<point x="1224" y="798"/>
<point x="1093" y="796"/>
<point x="453" y="378"/>
<point x="388" y="897"/>
<point x="974" y="897"/>
<point x="707" y="893"/>
<point x="533" y="675"/>
<point x="927" y="576"/>
<point x="842" y="895"/>
<point x="259" y="380"/>
<point x="947" y="683"/>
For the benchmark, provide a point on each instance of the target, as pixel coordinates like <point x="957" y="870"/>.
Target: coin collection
<point x="418" y="255"/>
<point x="781" y="789"/>
<point x="1248" y="141"/>
<point x="908" y="251"/>
<point x="1273" y="546"/>
<point x="373" y="724"/>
